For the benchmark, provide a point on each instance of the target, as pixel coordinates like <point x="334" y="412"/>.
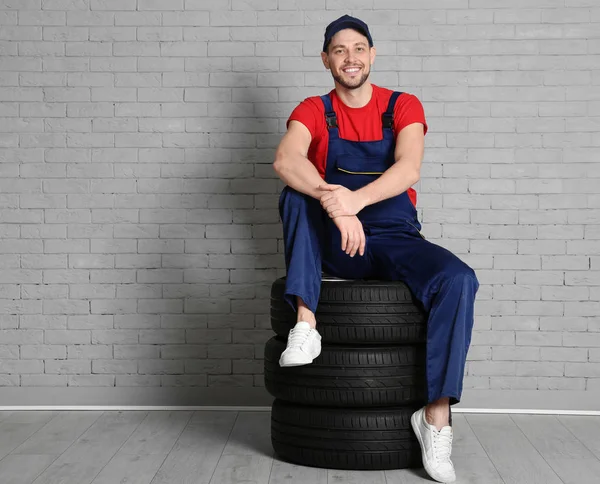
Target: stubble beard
<point x="343" y="83"/>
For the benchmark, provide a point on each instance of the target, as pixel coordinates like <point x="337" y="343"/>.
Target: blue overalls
<point x="395" y="250"/>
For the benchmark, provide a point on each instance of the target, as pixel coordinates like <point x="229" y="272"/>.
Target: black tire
<point x="354" y="439"/>
<point x="357" y="312"/>
<point x="349" y="376"/>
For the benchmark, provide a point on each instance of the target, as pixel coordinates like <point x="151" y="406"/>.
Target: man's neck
<point x="355" y="98"/>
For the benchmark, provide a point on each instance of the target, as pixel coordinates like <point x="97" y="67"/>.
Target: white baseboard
<point x="527" y="401"/>
<point x="543" y="402"/>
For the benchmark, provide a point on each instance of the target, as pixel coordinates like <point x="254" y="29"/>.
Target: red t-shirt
<point x="356" y="124"/>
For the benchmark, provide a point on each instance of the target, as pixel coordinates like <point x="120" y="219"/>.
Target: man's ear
<point x="373" y="54"/>
<point x="325" y="59"/>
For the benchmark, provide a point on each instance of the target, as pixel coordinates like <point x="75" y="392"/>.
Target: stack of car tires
<point x="351" y="407"/>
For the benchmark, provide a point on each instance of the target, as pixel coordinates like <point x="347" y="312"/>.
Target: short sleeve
<point x="308" y="113"/>
<point x="408" y="110"/>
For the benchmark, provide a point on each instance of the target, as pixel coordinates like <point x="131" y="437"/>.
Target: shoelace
<point x="442" y="444"/>
<point x="298" y="336"/>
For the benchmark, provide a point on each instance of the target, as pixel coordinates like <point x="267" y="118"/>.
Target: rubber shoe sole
<point x="295" y="360"/>
<point x="297" y="357"/>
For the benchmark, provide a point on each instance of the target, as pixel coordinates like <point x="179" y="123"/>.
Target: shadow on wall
<point x="242" y="239"/>
<point x="255" y="258"/>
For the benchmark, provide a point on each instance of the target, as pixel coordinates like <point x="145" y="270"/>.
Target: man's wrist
<point x="363" y="197"/>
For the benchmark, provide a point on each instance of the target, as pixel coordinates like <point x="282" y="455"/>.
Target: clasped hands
<point x="342" y="205"/>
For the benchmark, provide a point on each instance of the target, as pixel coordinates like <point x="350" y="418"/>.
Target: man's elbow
<point x="416" y="176"/>
<point x="278" y="164"/>
<point x="282" y="163"/>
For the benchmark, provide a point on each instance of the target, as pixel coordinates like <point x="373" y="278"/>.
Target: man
<point x="349" y="159"/>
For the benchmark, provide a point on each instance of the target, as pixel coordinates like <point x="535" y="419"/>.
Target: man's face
<point x="349" y="58"/>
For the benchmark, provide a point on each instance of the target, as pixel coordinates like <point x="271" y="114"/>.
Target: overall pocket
<point x="354" y="172"/>
<point x="353" y="165"/>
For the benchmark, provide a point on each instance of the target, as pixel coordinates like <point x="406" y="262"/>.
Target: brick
<point x="540" y="278"/>
<point x="182" y="381"/>
<point x="562" y="293"/>
<point x="145" y="321"/>
<point x="581" y="308"/>
<point x="137" y="18"/>
<point x="162" y="336"/>
<point x="67" y="367"/>
<point x="249" y="366"/>
<point x="208" y="336"/>
<point x="44" y="380"/>
<point x="91" y="380"/>
<point x="207" y="306"/>
<point x="113" y="4"/>
<point x="515" y="353"/>
<point x="493" y="338"/>
<point x="476" y="382"/>
<point x="221" y="49"/>
<point x="513" y="232"/>
<point x="562" y="323"/>
<point x="517" y="292"/>
<point x="519" y="323"/>
<point x="115" y="366"/>
<point x="545" y="368"/>
<point x="173" y="321"/>
<point x="138" y="381"/>
<point x="493" y="247"/>
<point x="172" y="352"/>
<point x="591" y="370"/>
<point x="29" y="352"/>
<point x="564" y="354"/>
<point x="161" y="367"/>
<point x="208" y="366"/>
<point x="478" y="353"/>
<point x="160" y="5"/>
<point x="230" y="380"/>
<point x="492" y="368"/>
<point x="542" y="308"/>
<point x="558" y="383"/>
<point x="581" y="339"/>
<point x="90" y="322"/>
<point x="89" y="351"/>
<point x="513" y="383"/>
<point x="230" y="351"/>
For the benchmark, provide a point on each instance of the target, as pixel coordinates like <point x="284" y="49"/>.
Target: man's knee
<point x="457" y="269"/>
<point x="293" y="203"/>
<point x="291" y="197"/>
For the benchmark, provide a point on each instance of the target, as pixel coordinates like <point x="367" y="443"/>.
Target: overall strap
<point x="387" y="118"/>
<point x="330" y="116"/>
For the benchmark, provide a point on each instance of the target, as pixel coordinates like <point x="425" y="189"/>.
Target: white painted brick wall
<point x="138" y="207"/>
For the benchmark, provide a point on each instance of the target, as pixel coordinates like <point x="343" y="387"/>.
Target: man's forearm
<point x="300" y="174"/>
<point x="395" y="180"/>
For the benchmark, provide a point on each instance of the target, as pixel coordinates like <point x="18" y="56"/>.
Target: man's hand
<point x="353" y="235"/>
<point x="338" y="201"/>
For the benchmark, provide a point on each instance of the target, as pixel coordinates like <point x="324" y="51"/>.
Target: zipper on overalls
<point x="361" y="172"/>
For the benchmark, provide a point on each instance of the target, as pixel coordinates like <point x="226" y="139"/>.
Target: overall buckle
<point x="387" y="120"/>
<point x="331" y="120"/>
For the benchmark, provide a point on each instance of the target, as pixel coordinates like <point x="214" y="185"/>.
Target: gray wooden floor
<point x="227" y="447"/>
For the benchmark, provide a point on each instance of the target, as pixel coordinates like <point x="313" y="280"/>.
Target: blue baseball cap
<point x="346" y="22"/>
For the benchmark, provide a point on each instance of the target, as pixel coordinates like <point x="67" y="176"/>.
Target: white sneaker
<point x="436" y="447"/>
<point x="303" y="346"/>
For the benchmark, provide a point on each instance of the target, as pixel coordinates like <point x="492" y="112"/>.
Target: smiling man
<point x="349" y="160"/>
